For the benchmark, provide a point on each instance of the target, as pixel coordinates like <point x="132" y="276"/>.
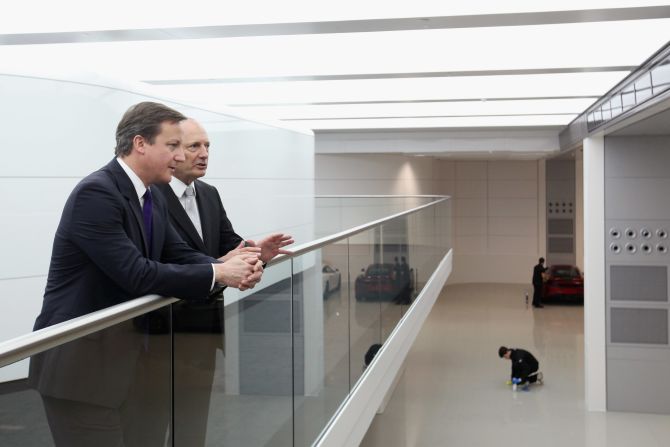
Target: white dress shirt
<point x="188" y="202"/>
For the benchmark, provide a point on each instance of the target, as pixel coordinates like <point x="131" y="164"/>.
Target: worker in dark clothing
<point x="538" y="283"/>
<point x="524" y="365"/>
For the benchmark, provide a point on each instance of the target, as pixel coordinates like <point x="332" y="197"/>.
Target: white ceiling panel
<point x="625" y="43"/>
<point x="350" y="64"/>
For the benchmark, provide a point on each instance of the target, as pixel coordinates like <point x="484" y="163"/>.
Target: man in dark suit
<point x="538" y="283"/>
<point x="197" y="213"/>
<point x="114" y="243"/>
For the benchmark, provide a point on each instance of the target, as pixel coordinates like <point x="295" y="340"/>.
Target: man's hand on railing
<point x="272" y="245"/>
<point x="240" y="249"/>
<point x="241" y="271"/>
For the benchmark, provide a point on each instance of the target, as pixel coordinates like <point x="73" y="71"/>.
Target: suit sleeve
<point x="97" y="228"/>
<point x="228" y="239"/>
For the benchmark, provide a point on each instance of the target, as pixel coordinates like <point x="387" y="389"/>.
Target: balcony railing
<point x="299" y="360"/>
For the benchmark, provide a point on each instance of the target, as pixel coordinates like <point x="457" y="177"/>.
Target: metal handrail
<point x="327" y="240"/>
<point x="377" y="196"/>
<point x="41" y="340"/>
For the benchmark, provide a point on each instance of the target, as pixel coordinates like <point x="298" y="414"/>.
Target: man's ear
<point x="139" y="144"/>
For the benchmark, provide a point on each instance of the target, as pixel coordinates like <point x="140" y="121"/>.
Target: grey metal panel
<point x="639" y="283"/>
<point x="647" y="326"/>
<point x="560" y="170"/>
<point x="560" y="245"/>
<point x="649" y="238"/>
<point x="560" y="226"/>
<point x="638" y="385"/>
<point x="560" y="203"/>
<point x="641" y="157"/>
<point x="562" y="190"/>
<point x="637" y="198"/>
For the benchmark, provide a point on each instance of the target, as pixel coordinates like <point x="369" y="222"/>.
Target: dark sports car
<point x="386" y="282"/>
<point x="376" y="282"/>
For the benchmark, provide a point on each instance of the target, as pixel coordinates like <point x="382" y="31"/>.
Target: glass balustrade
<point x="266" y="367"/>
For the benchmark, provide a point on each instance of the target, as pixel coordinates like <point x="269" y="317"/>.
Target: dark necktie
<point x="148" y="218"/>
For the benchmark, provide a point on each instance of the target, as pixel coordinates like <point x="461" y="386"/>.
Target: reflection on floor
<point x="453" y="392"/>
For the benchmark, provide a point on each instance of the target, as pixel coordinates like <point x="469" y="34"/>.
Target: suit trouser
<point x="537" y="294"/>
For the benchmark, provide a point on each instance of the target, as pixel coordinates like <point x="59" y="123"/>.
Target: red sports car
<point x="564" y="281"/>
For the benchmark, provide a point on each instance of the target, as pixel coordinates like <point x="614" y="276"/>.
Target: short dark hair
<point x="502" y="351"/>
<point x="144" y="119"/>
<point x="541" y="260"/>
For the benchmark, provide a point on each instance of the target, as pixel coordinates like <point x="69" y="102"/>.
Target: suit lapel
<point x="181" y="219"/>
<point x="204" y="209"/>
<point x="128" y="191"/>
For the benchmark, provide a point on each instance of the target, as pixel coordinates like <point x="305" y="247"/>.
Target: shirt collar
<point x="138" y="184"/>
<point x="178" y="187"/>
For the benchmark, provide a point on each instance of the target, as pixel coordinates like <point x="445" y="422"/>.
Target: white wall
<point x="376" y="174"/>
<point x="56" y="132"/>
<point x="496" y="221"/>
<point x="497" y="228"/>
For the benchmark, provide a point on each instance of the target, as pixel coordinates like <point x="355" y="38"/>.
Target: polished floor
<point x="453" y="391"/>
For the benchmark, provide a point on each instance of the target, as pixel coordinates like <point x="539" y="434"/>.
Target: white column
<point x="579" y="210"/>
<point x="595" y="361"/>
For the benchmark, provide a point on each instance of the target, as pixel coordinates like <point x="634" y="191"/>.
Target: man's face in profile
<point x="163" y="155"/>
<point x="196" y="152"/>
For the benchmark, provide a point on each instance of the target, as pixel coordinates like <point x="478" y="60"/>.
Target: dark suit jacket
<point x="538" y="270"/>
<point x="218" y="236"/>
<point x="99" y="259"/>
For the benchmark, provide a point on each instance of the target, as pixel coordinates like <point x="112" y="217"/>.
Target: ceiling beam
<point x="424" y="74"/>
<point x="344" y="26"/>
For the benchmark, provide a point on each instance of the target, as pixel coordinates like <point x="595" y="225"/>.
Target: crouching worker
<point x="525" y="366"/>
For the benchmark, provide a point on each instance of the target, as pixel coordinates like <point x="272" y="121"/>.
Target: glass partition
<point x="112" y="387"/>
<point x="267" y="367"/>
<point x="320" y="338"/>
<point x="251" y="392"/>
<point x="396" y="259"/>
<point x="369" y="279"/>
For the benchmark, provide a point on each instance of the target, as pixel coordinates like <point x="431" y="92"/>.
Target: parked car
<point x="376" y="282"/>
<point x="332" y="279"/>
<point x="564" y="281"/>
